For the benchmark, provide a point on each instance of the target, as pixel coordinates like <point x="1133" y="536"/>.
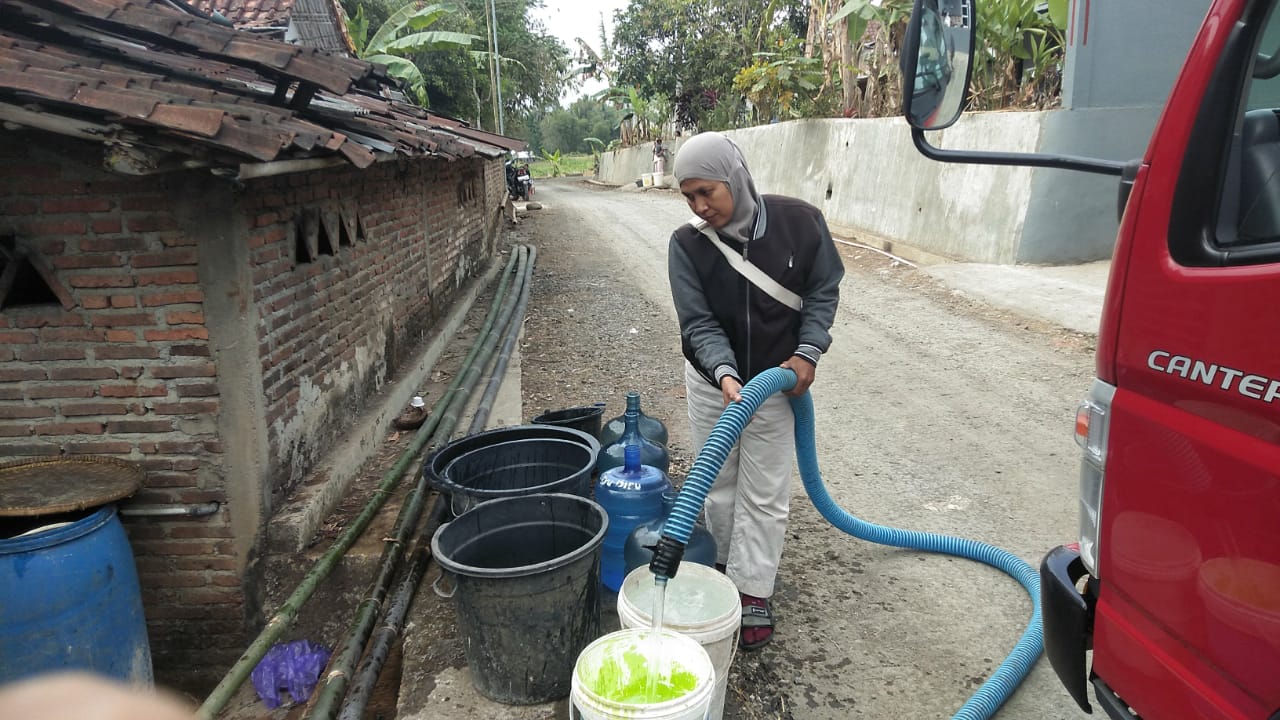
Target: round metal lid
<point x="44" y="487"/>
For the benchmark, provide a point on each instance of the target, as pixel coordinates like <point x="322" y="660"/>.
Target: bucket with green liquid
<point x="639" y="674"/>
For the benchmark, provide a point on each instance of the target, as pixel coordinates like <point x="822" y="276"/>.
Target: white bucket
<point x="659" y="179"/>
<point x="611" y="667"/>
<point x="702" y="604"/>
<point x="647" y="179"/>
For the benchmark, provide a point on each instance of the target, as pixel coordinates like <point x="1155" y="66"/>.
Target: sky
<point x="569" y="19"/>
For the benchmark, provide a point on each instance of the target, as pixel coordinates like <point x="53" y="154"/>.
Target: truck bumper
<point x="1068" y="620"/>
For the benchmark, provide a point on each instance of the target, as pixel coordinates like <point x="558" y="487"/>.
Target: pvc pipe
<point x="197" y="510"/>
<point x="251" y="171"/>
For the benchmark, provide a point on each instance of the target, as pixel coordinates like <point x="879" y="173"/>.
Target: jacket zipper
<point x="745" y="252"/>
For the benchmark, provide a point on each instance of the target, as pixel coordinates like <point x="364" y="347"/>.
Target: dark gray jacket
<point x="730" y="327"/>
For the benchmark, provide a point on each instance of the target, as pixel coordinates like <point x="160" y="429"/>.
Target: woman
<point x="755" y="279"/>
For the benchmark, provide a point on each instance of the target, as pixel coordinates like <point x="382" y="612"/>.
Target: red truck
<point x="1169" y="604"/>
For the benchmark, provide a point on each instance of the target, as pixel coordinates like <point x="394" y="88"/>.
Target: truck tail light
<point x="1093" y="421"/>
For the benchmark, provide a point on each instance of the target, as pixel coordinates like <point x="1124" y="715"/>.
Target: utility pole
<point x="497" y="63"/>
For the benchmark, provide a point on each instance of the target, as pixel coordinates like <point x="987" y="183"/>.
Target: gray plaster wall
<point x="1127" y="54"/>
<point x="1073" y="217"/>
<point x="1115" y="84"/>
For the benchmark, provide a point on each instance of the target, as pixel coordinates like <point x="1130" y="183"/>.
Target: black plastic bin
<point x="513" y="461"/>
<point x="586" y="418"/>
<point x="526" y="575"/>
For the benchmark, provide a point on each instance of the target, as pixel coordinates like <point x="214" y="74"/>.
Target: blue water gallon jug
<point x="630" y="494"/>
<point x="638" y="550"/>
<point x="613" y="454"/>
<point x="650" y="427"/>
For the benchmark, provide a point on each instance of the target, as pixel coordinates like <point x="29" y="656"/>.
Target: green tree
<point x="457" y="81"/>
<point x="532" y="66"/>
<point x="567" y="130"/>
<point x="686" y="53"/>
<point x="402" y="36"/>
<point x="780" y="85"/>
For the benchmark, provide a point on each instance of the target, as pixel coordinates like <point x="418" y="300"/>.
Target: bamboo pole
<point x="334" y="687"/>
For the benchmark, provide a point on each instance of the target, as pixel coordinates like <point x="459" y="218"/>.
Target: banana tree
<point x="776" y="82"/>
<point x="597" y="149"/>
<point x="402" y="36"/>
<point x="874" y="57"/>
<point x="1022" y="65"/>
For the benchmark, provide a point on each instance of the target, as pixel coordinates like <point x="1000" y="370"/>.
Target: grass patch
<point x="568" y="165"/>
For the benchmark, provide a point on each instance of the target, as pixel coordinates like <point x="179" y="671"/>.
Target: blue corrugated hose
<point x="1002" y="683"/>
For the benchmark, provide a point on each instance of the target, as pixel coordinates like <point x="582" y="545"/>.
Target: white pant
<point x="747" y="507"/>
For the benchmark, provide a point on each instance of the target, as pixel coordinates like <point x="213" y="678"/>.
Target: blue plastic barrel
<point x="69" y="600"/>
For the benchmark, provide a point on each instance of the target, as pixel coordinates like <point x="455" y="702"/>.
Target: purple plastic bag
<point x="293" y="666"/>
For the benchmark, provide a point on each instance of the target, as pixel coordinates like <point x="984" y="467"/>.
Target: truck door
<point x="1189" y="549"/>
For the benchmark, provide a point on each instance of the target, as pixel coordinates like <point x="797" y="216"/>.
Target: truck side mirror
<point x="936" y="61"/>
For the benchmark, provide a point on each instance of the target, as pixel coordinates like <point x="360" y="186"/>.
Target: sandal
<point x="757" y="623"/>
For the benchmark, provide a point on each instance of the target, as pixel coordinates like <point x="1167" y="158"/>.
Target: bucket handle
<point x="453" y="504"/>
<point x="435" y="585"/>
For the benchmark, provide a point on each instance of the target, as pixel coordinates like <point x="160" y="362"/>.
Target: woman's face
<point x="709" y="200"/>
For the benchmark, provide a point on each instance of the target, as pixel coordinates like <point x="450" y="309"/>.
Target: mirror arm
<point x="1061" y="162"/>
<point x="1266" y="66"/>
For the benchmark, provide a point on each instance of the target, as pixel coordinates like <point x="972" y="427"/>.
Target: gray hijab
<point x="712" y="156"/>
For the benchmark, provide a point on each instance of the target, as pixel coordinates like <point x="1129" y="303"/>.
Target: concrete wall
<point x="221" y="337"/>
<point x="868" y="179"/>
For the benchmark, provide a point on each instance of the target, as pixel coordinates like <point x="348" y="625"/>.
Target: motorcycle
<point x="519" y="181"/>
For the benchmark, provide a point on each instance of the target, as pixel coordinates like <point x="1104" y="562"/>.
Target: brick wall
<point x="387" y="248"/>
<point x="348" y="270"/>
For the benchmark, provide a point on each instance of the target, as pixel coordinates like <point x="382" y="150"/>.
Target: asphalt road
<point x="932" y="415"/>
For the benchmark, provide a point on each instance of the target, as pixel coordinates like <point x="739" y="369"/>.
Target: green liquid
<point x="628" y="679"/>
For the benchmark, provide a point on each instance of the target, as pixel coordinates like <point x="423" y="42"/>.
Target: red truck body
<point x="1186" y="604"/>
<point x="1170" y="601"/>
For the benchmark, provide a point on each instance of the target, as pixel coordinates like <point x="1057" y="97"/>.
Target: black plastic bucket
<point x="526" y="574"/>
<point x="514" y="461"/>
<point x="586" y="418"/>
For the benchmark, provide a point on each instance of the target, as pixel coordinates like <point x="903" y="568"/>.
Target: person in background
<point x="659" y="157"/>
<point x="736" y="322"/>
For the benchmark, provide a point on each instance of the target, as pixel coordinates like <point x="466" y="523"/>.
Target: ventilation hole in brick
<point x="325" y="244"/>
<point x="22" y="283"/>
<point x="301" y="252"/>
<point x="344" y="231"/>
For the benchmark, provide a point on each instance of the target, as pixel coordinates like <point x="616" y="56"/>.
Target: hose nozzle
<point x="666" y="557"/>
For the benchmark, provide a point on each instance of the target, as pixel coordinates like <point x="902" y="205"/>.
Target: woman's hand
<point x="804" y="371"/>
<point x="731" y="389"/>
